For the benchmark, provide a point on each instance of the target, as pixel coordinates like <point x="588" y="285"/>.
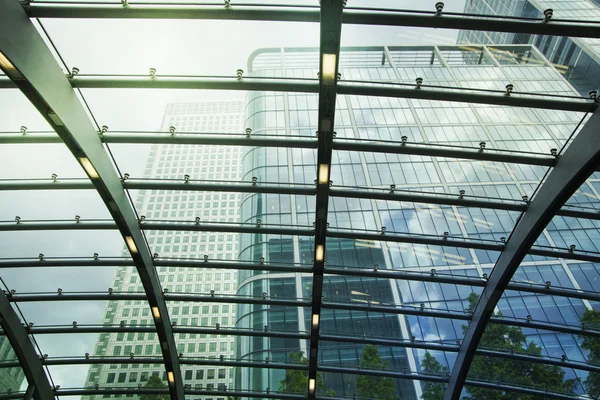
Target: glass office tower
<point x="578" y="59"/>
<point x="385" y="121"/>
<point x="165" y="162"/>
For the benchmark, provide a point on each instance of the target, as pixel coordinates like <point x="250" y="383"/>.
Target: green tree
<point x="374" y="387"/>
<point x="433" y="390"/>
<point x="507" y="339"/>
<point x="591" y="320"/>
<point x="156" y="383"/>
<point x="296" y="381"/>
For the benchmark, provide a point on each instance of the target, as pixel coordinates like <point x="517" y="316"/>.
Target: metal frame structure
<point x="39" y="77"/>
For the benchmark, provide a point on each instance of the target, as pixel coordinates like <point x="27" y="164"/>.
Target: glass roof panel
<point x="102" y="41"/>
<point x="58" y="204"/>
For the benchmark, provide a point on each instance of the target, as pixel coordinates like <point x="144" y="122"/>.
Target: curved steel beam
<point x="444" y="151"/>
<point x="360" y="306"/>
<point x="29" y="360"/>
<point x="417" y="239"/>
<point x="306" y="190"/>
<point x="575" y="166"/>
<point x="134" y="391"/>
<point x="351" y="16"/>
<point x="37" y="74"/>
<point x="354" y="88"/>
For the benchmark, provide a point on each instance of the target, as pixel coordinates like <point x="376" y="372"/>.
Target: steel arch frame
<point x="29" y="361"/>
<point x="42" y="81"/>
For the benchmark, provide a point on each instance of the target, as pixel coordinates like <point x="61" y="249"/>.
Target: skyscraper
<point x="202" y="163"/>
<point x="369" y="174"/>
<point x="578" y="59"/>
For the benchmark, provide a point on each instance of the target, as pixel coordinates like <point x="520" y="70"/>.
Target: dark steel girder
<point x="224" y="187"/>
<point x="135" y="391"/>
<point x="575" y="166"/>
<point x="331" y="270"/>
<point x="291" y="85"/>
<point x="443" y="151"/>
<point x="431" y="150"/>
<point x="416" y="239"/>
<point x="223" y="331"/>
<point x="329" y="52"/>
<point x="23" y="347"/>
<point x="462" y="280"/>
<point x="43" y="82"/>
<point x="355" y="16"/>
<point x="363" y="306"/>
<point x="392" y="237"/>
<point x="148" y="225"/>
<point x="344" y="192"/>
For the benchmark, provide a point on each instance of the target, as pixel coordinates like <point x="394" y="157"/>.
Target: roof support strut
<point x="26" y="354"/>
<point x="33" y="69"/>
<point x="578" y="162"/>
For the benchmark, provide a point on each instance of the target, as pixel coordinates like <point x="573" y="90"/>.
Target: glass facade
<point x="387" y="120"/>
<point x="577" y="59"/>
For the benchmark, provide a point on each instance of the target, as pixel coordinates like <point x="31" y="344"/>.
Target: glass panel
<point x="170" y="55"/>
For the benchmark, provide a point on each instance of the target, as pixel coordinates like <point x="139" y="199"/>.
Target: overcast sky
<point x="132" y="47"/>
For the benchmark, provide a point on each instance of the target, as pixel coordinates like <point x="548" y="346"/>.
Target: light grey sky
<point x="132" y="47"/>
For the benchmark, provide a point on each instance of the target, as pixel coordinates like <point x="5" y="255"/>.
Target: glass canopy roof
<point x="293" y="200"/>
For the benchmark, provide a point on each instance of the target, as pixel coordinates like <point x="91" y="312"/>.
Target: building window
<point x="122" y="377"/>
<point x="110" y="378"/>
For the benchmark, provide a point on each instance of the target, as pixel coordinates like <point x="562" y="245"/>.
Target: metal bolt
<point x="239" y="72"/>
<point x="172" y="130"/>
<point x="248" y="132"/>
<point x="18" y="219"/>
<point x="419" y="82"/>
<point x="548" y="14"/>
<point x="152" y="73"/>
<point x="54" y="177"/>
<point x="509" y="89"/>
<point x="77" y="218"/>
<point x="197" y="221"/>
<point x="258" y="222"/>
<point x="95" y="256"/>
<point x="481" y="146"/>
<point x="446" y="235"/>
<point x="186" y="178"/>
<point x="554" y="152"/>
<point x="433" y="272"/>
<point x="23" y="130"/>
<point x="392" y="188"/>
<point x="439" y="7"/>
<point x="254" y="180"/>
<point x="375" y="267"/>
<point x="593" y="94"/>
<point x="572" y="248"/>
<point x="548" y="284"/>
<point x="74" y="71"/>
<point x="461" y="194"/>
